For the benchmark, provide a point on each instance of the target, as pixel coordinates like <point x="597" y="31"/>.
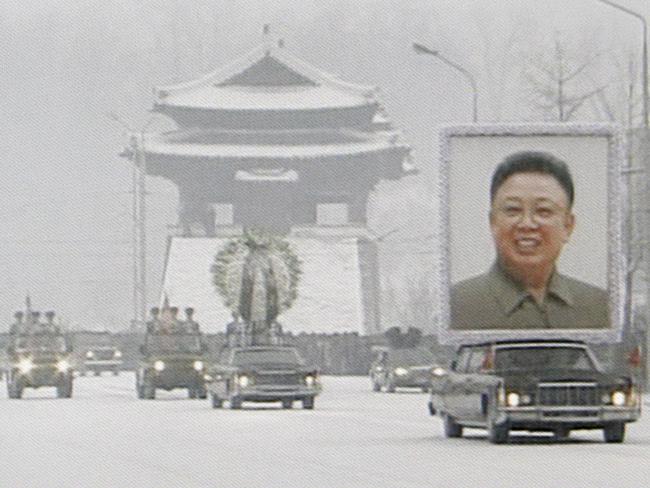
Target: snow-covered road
<point x="104" y="437"/>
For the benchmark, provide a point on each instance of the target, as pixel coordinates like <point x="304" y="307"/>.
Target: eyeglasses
<point x="539" y="213"/>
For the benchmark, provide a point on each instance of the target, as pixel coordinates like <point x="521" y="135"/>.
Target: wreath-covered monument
<point x="257" y="276"/>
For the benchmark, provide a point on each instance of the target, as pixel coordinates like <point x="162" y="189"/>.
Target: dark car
<point x="172" y="360"/>
<point x="39" y="359"/>
<point x="101" y="355"/>
<point x="263" y="374"/>
<point x="552" y="386"/>
<point x="401" y="368"/>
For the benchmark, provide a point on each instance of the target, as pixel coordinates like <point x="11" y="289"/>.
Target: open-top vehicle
<point x="37" y="359"/>
<point x="172" y="360"/>
<point x="552" y="386"/>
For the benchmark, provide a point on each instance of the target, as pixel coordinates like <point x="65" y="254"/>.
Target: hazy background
<point x="65" y="206"/>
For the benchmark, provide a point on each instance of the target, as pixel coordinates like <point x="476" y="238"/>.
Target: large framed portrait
<point x="531" y="232"/>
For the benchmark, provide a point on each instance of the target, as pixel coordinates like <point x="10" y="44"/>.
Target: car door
<point x="453" y="384"/>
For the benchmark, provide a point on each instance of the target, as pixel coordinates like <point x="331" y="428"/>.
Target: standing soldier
<point x="152" y="324"/>
<point x="176" y="325"/>
<point x="50" y="326"/>
<point x="191" y="326"/>
<point x="18" y="325"/>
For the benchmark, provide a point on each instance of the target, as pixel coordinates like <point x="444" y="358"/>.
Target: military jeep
<point x="37" y="359"/>
<point x="170" y="361"/>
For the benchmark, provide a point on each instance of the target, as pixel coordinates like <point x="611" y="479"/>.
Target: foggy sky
<point x="65" y="204"/>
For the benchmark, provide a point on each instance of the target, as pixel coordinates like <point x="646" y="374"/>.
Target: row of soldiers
<point x="166" y="321"/>
<point x="30" y="323"/>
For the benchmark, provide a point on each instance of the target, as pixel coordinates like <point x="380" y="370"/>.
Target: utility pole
<point x="139" y="221"/>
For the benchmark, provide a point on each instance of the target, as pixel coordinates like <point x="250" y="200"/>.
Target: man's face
<point x="530" y="221"/>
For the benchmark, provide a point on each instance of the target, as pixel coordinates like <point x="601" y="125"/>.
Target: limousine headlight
<point x="198" y="365"/>
<point x="63" y="365"/>
<point x="401" y="371"/>
<point x="25" y="365"/>
<point x="159" y="365"/>
<point x="619" y="398"/>
<point x="310" y="380"/>
<point x="513" y="399"/>
<point x="243" y="381"/>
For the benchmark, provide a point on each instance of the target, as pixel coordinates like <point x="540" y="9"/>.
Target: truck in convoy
<point x="38" y="358"/>
<point x="172" y="360"/>
<point x="532" y="385"/>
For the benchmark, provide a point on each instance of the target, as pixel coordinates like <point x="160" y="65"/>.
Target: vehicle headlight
<point x="513" y="399"/>
<point x="619" y="398"/>
<point x="159" y="365"/>
<point x="117" y="354"/>
<point x="243" y="381"/>
<point x="63" y="365"/>
<point x="198" y="365"/>
<point x="90" y="355"/>
<point x="25" y="365"/>
<point x="310" y="380"/>
<point x="438" y="371"/>
<point x="207" y="377"/>
<point x="401" y="371"/>
<point x="525" y="399"/>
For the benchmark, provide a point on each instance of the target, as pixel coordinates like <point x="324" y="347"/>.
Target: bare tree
<point x="558" y="81"/>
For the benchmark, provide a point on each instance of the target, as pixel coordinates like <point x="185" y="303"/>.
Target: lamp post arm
<point x="644" y="74"/>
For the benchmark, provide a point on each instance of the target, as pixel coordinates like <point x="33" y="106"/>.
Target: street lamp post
<point x="421" y="49"/>
<point x="136" y="143"/>
<point x="644" y="74"/>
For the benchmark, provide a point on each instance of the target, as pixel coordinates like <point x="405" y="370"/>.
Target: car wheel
<point x="202" y="393"/>
<point x="376" y="386"/>
<point x="614" y="433"/>
<point x="561" y="433"/>
<point x="216" y="401"/>
<point x="149" y="391"/>
<point x="191" y="393"/>
<point x="116" y="372"/>
<point x="235" y="403"/>
<point x="498" y="433"/>
<point x="308" y="403"/>
<point x="452" y="429"/>
<point x="390" y="387"/>
<point x="425" y="389"/>
<point x="287" y="404"/>
<point x="14" y="391"/>
<point x="139" y="389"/>
<point x="98" y="373"/>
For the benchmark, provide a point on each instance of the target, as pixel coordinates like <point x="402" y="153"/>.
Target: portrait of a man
<point x="531" y="219"/>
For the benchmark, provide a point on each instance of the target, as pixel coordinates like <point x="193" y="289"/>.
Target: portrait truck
<point x="531" y="219"/>
<point x="531" y="232"/>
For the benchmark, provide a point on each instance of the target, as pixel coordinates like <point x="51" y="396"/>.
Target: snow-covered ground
<point x="104" y="437"/>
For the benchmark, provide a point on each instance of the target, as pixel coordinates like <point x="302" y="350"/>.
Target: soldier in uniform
<point x="176" y="324"/>
<point x="50" y="326"/>
<point x="191" y="326"/>
<point x="153" y="324"/>
<point x="18" y="325"/>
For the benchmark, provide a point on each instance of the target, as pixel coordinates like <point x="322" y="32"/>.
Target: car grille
<point x="102" y="355"/>
<point x="568" y="394"/>
<point x="278" y="379"/>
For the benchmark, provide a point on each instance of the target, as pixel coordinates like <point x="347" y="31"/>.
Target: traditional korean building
<point x="272" y="142"/>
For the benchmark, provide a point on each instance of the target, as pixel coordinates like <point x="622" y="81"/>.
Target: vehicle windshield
<point x="410" y="357"/>
<point x="40" y="342"/>
<point x="103" y="341"/>
<point x="532" y="358"/>
<point x="174" y="343"/>
<point x="266" y="356"/>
